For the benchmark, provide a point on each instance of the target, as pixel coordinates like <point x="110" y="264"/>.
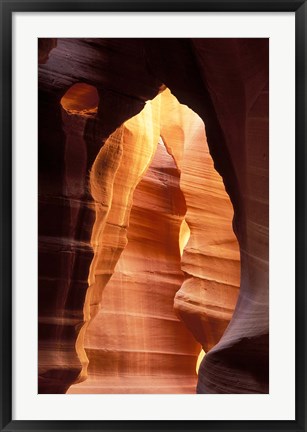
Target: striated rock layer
<point x="66" y="215"/>
<point x="132" y="341"/>
<point x="135" y="343"/>
<point x="242" y="354"/>
<point x="210" y="261"/>
<point x="225" y="81"/>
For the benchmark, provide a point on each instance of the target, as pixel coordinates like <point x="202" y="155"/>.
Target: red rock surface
<point x="66" y="216"/>
<point x="242" y="353"/>
<point x="136" y="344"/>
<point x="225" y="81"/>
<point x="132" y="341"/>
<point x="210" y="261"/>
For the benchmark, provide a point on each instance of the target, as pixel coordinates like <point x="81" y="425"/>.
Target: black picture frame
<point x="7" y="10"/>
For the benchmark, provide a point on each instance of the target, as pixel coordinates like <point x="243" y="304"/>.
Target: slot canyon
<point x="153" y="204"/>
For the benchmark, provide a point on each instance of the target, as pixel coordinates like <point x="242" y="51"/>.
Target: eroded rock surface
<point x="132" y="341"/>
<point x="225" y="81"/>
<point x="136" y="343"/>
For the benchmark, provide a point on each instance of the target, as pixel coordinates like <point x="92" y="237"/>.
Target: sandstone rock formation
<point x="135" y="343"/>
<point x="65" y="219"/>
<point x="206" y="299"/>
<point x="225" y="81"/>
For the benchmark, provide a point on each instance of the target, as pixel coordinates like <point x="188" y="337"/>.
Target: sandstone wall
<point x="224" y="81"/>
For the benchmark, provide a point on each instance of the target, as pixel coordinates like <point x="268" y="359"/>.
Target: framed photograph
<point x="153" y="215"/>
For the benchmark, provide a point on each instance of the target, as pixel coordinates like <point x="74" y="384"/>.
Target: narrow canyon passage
<point x="133" y="340"/>
<point x="136" y="343"/>
<point x="94" y="154"/>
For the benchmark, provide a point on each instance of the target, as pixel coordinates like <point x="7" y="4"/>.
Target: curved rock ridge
<point x="69" y="141"/>
<point x="115" y="174"/>
<point x="210" y="260"/>
<point x="225" y="81"/>
<point x="133" y="341"/>
<point x="229" y="91"/>
<point x="66" y="216"/>
<point x="239" y="363"/>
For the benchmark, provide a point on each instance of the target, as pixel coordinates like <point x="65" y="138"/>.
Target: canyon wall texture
<point x="132" y="341"/>
<point x="106" y="321"/>
<point x="135" y="343"/>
